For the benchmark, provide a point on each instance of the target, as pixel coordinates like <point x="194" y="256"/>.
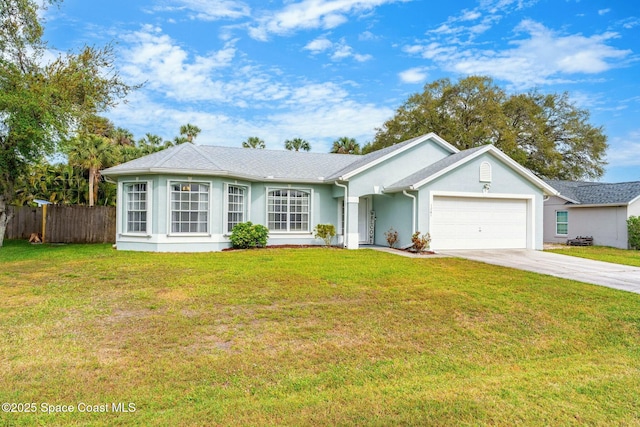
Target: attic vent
<point x="485" y="172"/>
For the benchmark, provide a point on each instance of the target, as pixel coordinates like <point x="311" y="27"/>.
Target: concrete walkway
<point x="616" y="276"/>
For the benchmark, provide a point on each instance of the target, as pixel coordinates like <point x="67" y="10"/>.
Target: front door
<point x="363" y="220"/>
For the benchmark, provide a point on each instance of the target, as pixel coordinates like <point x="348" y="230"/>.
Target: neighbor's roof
<point x="261" y="164"/>
<point x="597" y="193"/>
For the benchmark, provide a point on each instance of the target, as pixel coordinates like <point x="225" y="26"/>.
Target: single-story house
<point x="593" y="209"/>
<point x="189" y="197"/>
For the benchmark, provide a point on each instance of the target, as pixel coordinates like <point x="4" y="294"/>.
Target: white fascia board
<point x="394" y="153"/>
<point x="635" y="199"/>
<point x="599" y="205"/>
<point x="567" y="198"/>
<point x="220" y="173"/>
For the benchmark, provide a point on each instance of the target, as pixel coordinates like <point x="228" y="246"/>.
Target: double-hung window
<point x="562" y="223"/>
<point x="189" y="207"/>
<point x="136" y="207"/>
<point x="288" y="210"/>
<point x="236" y="205"/>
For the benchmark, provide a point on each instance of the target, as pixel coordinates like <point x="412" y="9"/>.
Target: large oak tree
<point x="41" y="103"/>
<point x="546" y="133"/>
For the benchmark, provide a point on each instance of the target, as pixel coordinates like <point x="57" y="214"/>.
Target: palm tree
<point x="297" y="144"/>
<point x="253" y="142"/>
<point x="93" y="152"/>
<point x="123" y="137"/>
<point x="345" y="145"/>
<point x="150" y="143"/>
<point x="179" y="140"/>
<point x="189" y="132"/>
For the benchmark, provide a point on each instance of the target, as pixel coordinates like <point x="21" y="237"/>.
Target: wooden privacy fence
<point x="65" y="224"/>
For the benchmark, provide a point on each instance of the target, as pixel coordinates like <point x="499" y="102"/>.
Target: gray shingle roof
<point x="239" y="162"/>
<point x="432" y="169"/>
<point x="254" y="164"/>
<point x="597" y="193"/>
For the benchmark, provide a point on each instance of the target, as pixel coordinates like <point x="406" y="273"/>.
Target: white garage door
<point x="478" y="223"/>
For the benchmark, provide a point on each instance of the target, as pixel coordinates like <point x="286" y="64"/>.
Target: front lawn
<point x="308" y="337"/>
<point x="602" y="253"/>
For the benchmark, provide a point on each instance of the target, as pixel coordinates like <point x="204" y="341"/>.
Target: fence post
<point x="44" y="222"/>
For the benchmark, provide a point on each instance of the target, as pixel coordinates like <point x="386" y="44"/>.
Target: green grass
<point x="602" y="253"/>
<point x="309" y="337"/>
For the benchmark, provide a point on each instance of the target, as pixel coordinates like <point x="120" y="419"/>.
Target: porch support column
<point x="352" y="223"/>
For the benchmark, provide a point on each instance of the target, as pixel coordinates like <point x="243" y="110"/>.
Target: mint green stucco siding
<point x="323" y="209"/>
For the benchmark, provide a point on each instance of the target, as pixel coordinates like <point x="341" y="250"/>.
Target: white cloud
<point x="207" y="10"/>
<point x="629" y="23"/>
<point x="273" y="106"/>
<point x="367" y="35"/>
<point x="413" y="75"/>
<point x="311" y="14"/>
<point x="343" y="51"/>
<point x="340" y="50"/>
<point x="625" y="150"/>
<point x="603" y="11"/>
<point x="319" y="45"/>
<point x="319" y="113"/>
<point x="168" y="68"/>
<point x="542" y="57"/>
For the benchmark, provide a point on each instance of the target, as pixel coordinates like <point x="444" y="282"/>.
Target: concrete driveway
<point x="615" y="276"/>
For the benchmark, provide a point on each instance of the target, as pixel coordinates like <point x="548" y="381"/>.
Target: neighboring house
<point x="188" y="197"/>
<point x="592" y="209"/>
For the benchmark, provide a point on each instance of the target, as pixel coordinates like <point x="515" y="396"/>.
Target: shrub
<point x="391" y="236"/>
<point x="420" y="243"/>
<point x="248" y="235"/>
<point x="633" y="229"/>
<point x="325" y="232"/>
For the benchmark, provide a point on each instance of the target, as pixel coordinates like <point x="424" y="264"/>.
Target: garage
<point x="478" y="223"/>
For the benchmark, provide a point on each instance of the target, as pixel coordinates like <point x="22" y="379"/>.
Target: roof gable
<point x="454" y="161"/>
<point x="372" y="159"/>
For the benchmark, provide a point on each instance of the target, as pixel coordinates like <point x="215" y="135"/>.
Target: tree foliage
<point x="93" y="152"/>
<point x="297" y="144"/>
<point x="345" y="145"/>
<point x="544" y="132"/>
<point x="253" y="142"/>
<point x="633" y="228"/>
<point x="41" y="103"/>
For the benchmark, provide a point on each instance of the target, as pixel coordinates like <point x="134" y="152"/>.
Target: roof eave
<point x="219" y="173"/>
<point x="600" y="205"/>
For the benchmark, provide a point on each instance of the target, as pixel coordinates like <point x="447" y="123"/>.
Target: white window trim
<point x="311" y="210"/>
<point x="210" y="205"/>
<point x="225" y="208"/>
<point x="122" y="220"/>
<point x="556" y="223"/>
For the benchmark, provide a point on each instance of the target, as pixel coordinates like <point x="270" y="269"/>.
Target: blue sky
<point x="322" y="69"/>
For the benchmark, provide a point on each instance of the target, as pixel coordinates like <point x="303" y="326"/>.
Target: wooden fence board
<point x="65" y="224"/>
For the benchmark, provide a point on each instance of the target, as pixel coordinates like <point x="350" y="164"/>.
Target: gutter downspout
<point x="413" y="211"/>
<point x="345" y="212"/>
